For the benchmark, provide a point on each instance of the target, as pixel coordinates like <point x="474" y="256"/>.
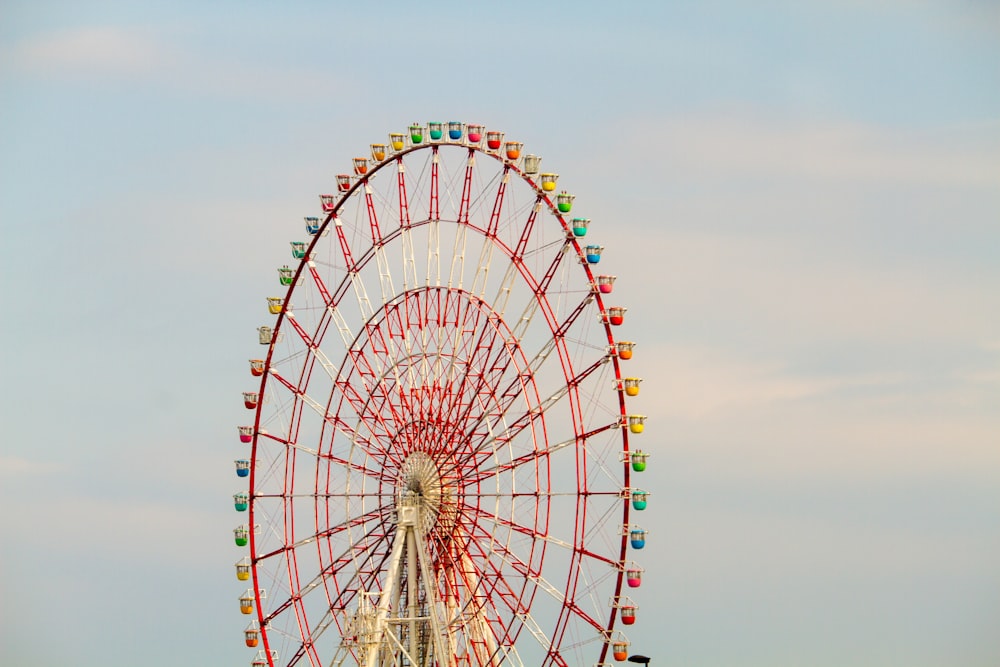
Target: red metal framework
<point x="495" y="378"/>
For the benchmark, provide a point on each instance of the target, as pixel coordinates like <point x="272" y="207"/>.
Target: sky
<point x="803" y="203"/>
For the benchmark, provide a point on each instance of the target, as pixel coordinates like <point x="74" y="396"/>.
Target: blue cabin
<point x="593" y="253"/>
<point x="637" y="538"/>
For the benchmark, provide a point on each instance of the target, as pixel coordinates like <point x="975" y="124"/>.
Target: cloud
<point x="699" y="383"/>
<point x="19" y="467"/>
<point x="842" y="151"/>
<point x="101" y="50"/>
<point x="168" y="60"/>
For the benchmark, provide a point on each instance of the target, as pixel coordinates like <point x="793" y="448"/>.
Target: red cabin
<point x="628" y="614"/>
<point x="494" y="140"/>
<point x="616" y="315"/>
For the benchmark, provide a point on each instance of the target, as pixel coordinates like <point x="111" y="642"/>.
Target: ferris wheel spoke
<point x="486" y="253"/>
<point x="374" y="474"/>
<point x="521" y="568"/>
<point x="533" y="533"/>
<point x="434" y="208"/>
<point x="527" y="572"/>
<point x="331" y="569"/>
<point x="333" y="419"/>
<point x="325" y="534"/>
<point x="550" y="272"/>
<point x="362" y="579"/>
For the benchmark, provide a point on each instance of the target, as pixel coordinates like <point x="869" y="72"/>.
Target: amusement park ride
<point x="440" y="469"/>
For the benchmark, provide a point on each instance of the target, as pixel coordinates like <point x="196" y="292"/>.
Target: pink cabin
<point x="633" y="576"/>
<point x="246" y="434"/>
<point x="605" y="284"/>
<point x="474" y="133"/>
<point x="326" y="202"/>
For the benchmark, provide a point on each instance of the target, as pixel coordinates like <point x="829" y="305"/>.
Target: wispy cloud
<point x="21" y="467"/>
<point x="104" y="50"/>
<point x="760" y="147"/>
<point x="160" y="57"/>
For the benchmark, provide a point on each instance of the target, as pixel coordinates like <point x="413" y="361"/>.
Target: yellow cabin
<point x="637" y="423"/>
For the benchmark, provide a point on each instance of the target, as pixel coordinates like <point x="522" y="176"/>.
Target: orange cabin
<point x="360" y="166"/>
<point x="625" y="349"/>
<point x="513" y="149"/>
<point x="256" y="367"/>
<point x="619" y="650"/>
<point x="378" y="152"/>
<point x="246" y="603"/>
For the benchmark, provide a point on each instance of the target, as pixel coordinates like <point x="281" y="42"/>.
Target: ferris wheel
<point x="440" y="469"/>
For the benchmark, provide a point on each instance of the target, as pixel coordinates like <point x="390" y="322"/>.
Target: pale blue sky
<point x="802" y="203"/>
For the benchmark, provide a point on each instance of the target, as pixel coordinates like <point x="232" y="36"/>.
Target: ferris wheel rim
<point x="525" y="274"/>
